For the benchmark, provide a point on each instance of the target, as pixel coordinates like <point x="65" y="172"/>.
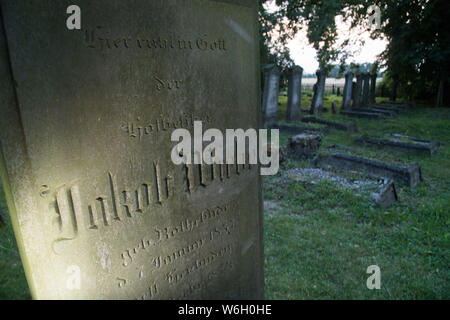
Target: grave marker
<point x="99" y="209"/>
<point x="317" y="102"/>
<point x="357" y="99"/>
<point x="293" y="112"/>
<point x="270" y="96"/>
<point x="347" y="95"/>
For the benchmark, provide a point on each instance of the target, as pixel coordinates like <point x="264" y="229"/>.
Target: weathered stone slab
<point x="382" y="112"/>
<point x="296" y="129"/>
<point x="335" y="125"/>
<point x="99" y="209"/>
<point x="398" y="105"/>
<point x="362" y="114"/>
<point x="418" y="139"/>
<point x="430" y="147"/>
<point x="410" y="176"/>
<point x="303" y="145"/>
<point x="391" y="107"/>
<point x="379" y="107"/>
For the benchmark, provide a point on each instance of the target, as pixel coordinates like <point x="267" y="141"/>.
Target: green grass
<point x="12" y="277"/>
<point x="320" y="238"/>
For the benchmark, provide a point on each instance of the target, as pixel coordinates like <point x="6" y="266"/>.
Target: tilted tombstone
<point x="373" y="86"/>
<point x="99" y="209"/>
<point x="347" y="95"/>
<point x="270" y="96"/>
<point x="358" y="88"/>
<point x="320" y="90"/>
<point x="293" y="112"/>
<point x="365" y="89"/>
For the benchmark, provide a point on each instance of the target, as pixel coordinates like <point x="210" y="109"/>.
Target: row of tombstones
<point x="355" y="94"/>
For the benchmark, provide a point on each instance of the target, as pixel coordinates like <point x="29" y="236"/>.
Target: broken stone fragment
<point x="387" y="195"/>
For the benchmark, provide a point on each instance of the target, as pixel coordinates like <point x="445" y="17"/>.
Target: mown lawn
<point x="319" y="238"/>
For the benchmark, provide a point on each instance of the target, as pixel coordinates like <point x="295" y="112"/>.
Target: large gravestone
<point x="357" y="99"/>
<point x="365" y="89"/>
<point x="293" y="112"/>
<point x="317" y="101"/>
<point x="347" y="95"/>
<point x="99" y="209"/>
<point x="270" y="96"/>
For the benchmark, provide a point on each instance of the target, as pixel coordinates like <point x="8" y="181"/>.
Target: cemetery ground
<point x="320" y="236"/>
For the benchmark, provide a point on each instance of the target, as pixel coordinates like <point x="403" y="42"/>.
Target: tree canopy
<point x="418" y="51"/>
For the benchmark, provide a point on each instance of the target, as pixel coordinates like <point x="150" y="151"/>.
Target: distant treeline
<point x="334" y="73"/>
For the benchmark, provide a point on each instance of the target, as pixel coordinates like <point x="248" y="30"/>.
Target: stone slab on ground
<point x="351" y="126"/>
<point x="427" y="147"/>
<point x="385" y="108"/>
<point x="405" y="104"/>
<point x="398" y="105"/>
<point x="362" y="114"/>
<point x="418" y="139"/>
<point x="409" y="176"/>
<point x="381" y="191"/>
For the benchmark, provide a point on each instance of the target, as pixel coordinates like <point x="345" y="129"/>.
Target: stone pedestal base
<point x="303" y="145"/>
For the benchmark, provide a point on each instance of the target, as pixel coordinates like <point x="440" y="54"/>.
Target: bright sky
<point x="304" y="54"/>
